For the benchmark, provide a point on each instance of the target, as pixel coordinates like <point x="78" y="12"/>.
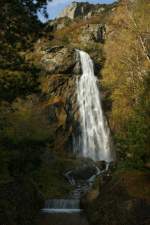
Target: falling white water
<point x="95" y="134"/>
<point x="62" y="206"/>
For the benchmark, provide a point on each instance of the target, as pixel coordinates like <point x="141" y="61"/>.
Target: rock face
<point x="62" y="66"/>
<point x="82" y="10"/>
<point x="60" y="60"/>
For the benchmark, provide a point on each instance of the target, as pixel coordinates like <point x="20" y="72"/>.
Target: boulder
<point x="84" y="173"/>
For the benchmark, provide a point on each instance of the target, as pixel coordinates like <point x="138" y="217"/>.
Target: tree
<point x="125" y="73"/>
<point x="19" y="25"/>
<point x="24" y="132"/>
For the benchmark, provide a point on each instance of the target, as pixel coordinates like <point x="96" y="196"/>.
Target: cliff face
<point x="83" y="10"/>
<point x="55" y="53"/>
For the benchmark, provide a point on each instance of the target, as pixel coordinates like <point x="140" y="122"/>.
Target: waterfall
<point x="62" y="206"/>
<point x="95" y="134"/>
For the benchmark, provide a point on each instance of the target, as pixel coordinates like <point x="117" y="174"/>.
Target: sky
<point x="56" y="6"/>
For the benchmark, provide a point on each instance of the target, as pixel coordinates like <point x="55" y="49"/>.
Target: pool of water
<point x="63" y="219"/>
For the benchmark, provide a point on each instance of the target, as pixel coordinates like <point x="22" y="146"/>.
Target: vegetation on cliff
<point x="126" y="77"/>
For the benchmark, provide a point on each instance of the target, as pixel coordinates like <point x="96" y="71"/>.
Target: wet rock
<point x="84" y="170"/>
<point x="84" y="173"/>
<point x="101" y="165"/>
<point x="112" y="166"/>
<point x="81" y="174"/>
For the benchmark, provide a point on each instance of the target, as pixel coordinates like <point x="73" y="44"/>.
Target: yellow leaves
<point x="122" y="111"/>
<point x="126" y="65"/>
<point x="120" y="18"/>
<point x="142" y="16"/>
<point x="146" y="65"/>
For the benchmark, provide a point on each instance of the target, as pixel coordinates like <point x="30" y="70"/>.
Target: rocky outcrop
<point x="82" y="10"/>
<point x="60" y="60"/>
<point x="93" y="33"/>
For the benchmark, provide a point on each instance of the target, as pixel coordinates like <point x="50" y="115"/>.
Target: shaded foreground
<point x="123" y="200"/>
